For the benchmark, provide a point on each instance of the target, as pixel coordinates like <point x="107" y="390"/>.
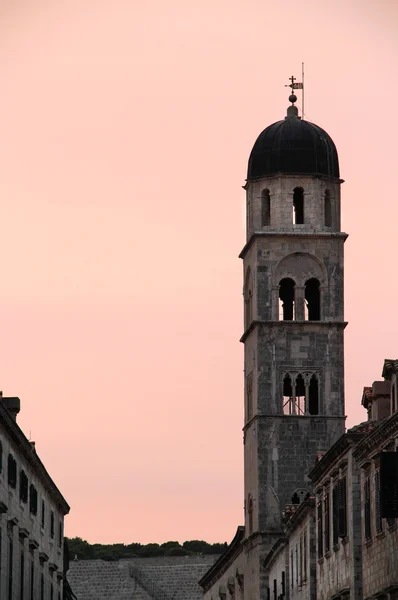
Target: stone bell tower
<point x="293" y="264"/>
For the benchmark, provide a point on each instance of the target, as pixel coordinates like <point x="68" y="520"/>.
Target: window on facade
<point x="301" y="560"/>
<point x="342" y="499"/>
<point x="305" y="555"/>
<point x="286" y="299"/>
<point x="52" y="591"/>
<point x="250" y="513"/>
<point x="320" y="529"/>
<point x="23" y="486"/>
<point x="1" y="457"/>
<point x="335" y="514"/>
<point x="328" y="209"/>
<point x="297" y="565"/>
<point x="287" y="395"/>
<point x="12" y="471"/>
<point x="52" y="526"/>
<point x="298" y="206"/>
<point x="32" y="578"/>
<point x="42" y="586"/>
<point x="366" y="495"/>
<point x="393" y="399"/>
<point x="33" y="499"/>
<point x="60" y="534"/>
<point x="249" y="395"/>
<point x="378" y="519"/>
<point x="313" y="396"/>
<point x="389" y="485"/>
<point x="248" y="297"/>
<point x="326" y="516"/>
<point x="43" y="514"/>
<point x="22" y="576"/>
<point x="312" y="308"/>
<point x="291" y="569"/>
<point x="10" y="567"/>
<point x="283" y="584"/>
<point x="265" y="208"/>
<point x="300" y="395"/>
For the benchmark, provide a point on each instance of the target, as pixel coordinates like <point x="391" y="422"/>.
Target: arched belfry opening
<point x="328" y="209"/>
<point x="265" y="208"/>
<point x="312" y="296"/>
<point x="286" y="299"/>
<point x="313" y="396"/>
<point x="300" y="395"/>
<point x="298" y="206"/>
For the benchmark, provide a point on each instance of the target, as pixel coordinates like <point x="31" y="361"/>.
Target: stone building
<point x="32" y="512"/>
<point x="293" y="263"/>
<point x="320" y="503"/>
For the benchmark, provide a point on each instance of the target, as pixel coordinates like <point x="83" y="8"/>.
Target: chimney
<point x="13" y="405"/>
<point x="376" y="400"/>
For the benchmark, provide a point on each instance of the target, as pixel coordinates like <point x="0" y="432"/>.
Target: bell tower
<point x="293" y="263"/>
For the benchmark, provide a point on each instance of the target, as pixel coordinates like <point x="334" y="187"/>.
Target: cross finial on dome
<point x="292" y="110"/>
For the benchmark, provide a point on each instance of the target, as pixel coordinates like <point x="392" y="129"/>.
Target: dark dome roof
<point x="293" y="146"/>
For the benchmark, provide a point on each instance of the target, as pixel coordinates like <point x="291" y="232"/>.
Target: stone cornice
<point x="224" y="561"/>
<point x="28" y="452"/>
<point x="387" y="428"/>
<point x="333" y="454"/>
<point x="298" y="234"/>
<point x="303" y="510"/>
<point x="260" y="416"/>
<point x="256" y="322"/>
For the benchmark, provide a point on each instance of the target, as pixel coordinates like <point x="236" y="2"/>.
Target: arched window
<point x="265" y="208"/>
<point x="248" y="297"/>
<point x="287" y="395"/>
<point x="286" y="299"/>
<point x="328" y="209"/>
<point x="298" y="206"/>
<point x="250" y="513"/>
<point x="312" y="294"/>
<point x="300" y="395"/>
<point x="313" y="396"/>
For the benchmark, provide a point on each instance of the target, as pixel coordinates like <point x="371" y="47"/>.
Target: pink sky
<point x="126" y="126"/>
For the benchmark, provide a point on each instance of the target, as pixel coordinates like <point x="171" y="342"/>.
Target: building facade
<point x="32" y="512"/>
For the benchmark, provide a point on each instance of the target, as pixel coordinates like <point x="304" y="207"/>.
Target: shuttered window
<point x="320" y="532"/>
<point x="327" y="521"/>
<point x="342" y="511"/>
<point x="305" y="556"/>
<point x="378" y="519"/>
<point x="366" y="496"/>
<point x="335" y="515"/>
<point x="389" y="485"/>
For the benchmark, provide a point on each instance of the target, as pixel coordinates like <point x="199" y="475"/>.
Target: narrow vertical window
<point x="298" y="206"/>
<point x="250" y="513"/>
<point x="32" y="578"/>
<point x="305" y="554"/>
<point x="378" y="519"/>
<point x="287" y="395"/>
<point x="286" y="299"/>
<point x="275" y="590"/>
<point x="265" y="208"/>
<point x="42" y="586"/>
<point x="291" y="568"/>
<point x="326" y="516"/>
<point x="393" y="399"/>
<point x="43" y="514"/>
<point x="320" y="530"/>
<point x="342" y="500"/>
<point x="297" y="566"/>
<point x="300" y="395"/>
<point x="389" y="485"/>
<point x="313" y="396"/>
<point x="328" y="209"/>
<point x="301" y="561"/>
<point x="52" y="591"/>
<point x="366" y="495"/>
<point x="22" y="575"/>
<point x="10" y="567"/>
<point x="283" y="584"/>
<point x="312" y="295"/>
<point x="335" y="514"/>
<point x="52" y="524"/>
<point x="1" y="457"/>
<point x="60" y="534"/>
<point x="249" y="395"/>
<point x="248" y="297"/>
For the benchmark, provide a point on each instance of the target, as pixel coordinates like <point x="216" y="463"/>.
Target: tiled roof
<point x="170" y="577"/>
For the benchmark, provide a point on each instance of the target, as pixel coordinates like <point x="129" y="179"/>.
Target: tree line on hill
<point x="84" y="551"/>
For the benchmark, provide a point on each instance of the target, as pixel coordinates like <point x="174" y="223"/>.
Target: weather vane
<point x="296" y="85"/>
